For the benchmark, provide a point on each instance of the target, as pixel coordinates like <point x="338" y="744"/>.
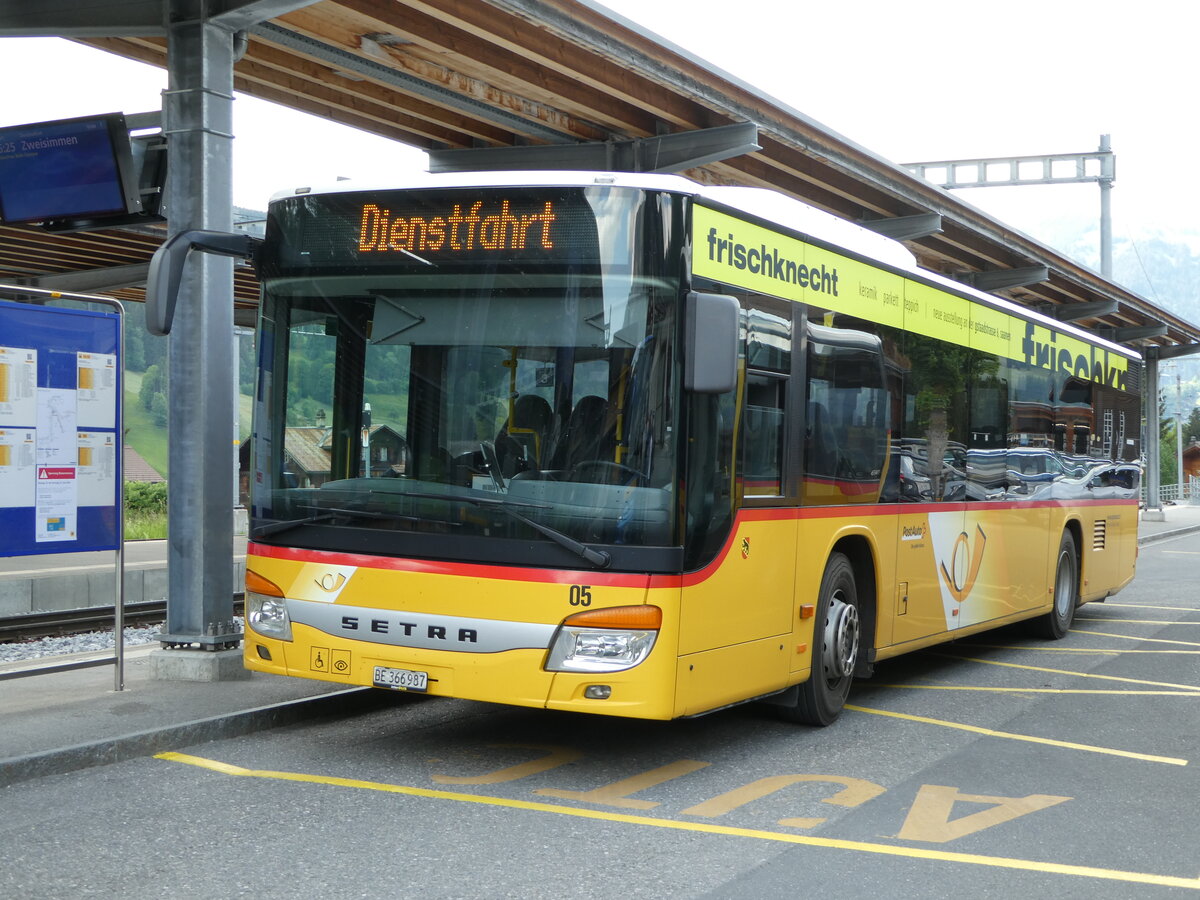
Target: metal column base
<point x="197" y="665"/>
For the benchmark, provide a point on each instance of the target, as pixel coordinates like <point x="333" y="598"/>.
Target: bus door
<point x="851" y="456"/>
<point x="937" y="559"/>
<point x="737" y="614"/>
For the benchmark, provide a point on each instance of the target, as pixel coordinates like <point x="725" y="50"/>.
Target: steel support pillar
<point x="1153" y="511"/>
<point x="1106" y="185"/>
<point x="198" y="117"/>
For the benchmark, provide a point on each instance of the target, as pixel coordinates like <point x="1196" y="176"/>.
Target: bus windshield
<point x="505" y="397"/>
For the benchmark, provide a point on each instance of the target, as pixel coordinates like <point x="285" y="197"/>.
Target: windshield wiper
<point x="598" y="558"/>
<point x="285" y="524"/>
<point x="325" y="515"/>
<point x="371" y="514"/>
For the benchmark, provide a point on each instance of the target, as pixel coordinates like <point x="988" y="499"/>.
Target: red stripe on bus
<point x="636" y="580"/>
<point x="462" y="570"/>
<point x="763" y="514"/>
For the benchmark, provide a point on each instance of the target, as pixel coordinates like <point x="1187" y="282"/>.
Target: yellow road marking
<point x="1133" y="621"/>
<point x="1147" y="606"/>
<point x="1129" y="637"/>
<point x="854" y="792"/>
<point x="617" y="794"/>
<point x="1000" y="862"/>
<point x="1079" y="650"/>
<point x="996" y="662"/>
<point x="1020" y="690"/>
<point x="931" y="818"/>
<point x="555" y="756"/>
<point x="1028" y="738"/>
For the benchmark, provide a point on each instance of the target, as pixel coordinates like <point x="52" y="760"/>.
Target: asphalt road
<point x="1000" y="766"/>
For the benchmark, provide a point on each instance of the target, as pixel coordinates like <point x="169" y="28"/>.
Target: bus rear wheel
<point x="837" y="641"/>
<point x="1055" y="624"/>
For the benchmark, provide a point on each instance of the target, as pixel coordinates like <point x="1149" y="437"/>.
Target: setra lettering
<point x="409" y="629"/>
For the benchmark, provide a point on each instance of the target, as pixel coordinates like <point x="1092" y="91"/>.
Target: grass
<point x="145" y="526"/>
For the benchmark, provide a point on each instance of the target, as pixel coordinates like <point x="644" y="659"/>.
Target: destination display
<point x="422" y="229"/>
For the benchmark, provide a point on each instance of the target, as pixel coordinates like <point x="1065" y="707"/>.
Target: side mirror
<point x="711" y="357"/>
<point x="166" y="269"/>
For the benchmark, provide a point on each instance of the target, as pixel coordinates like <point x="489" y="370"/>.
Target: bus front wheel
<point x="1055" y="624"/>
<point x="837" y="639"/>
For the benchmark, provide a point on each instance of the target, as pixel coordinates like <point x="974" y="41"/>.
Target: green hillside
<point x="149" y="439"/>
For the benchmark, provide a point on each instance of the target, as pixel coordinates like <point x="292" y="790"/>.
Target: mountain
<point x="1163" y="267"/>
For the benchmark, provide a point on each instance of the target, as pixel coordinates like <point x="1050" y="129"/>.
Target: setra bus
<point x="632" y="445"/>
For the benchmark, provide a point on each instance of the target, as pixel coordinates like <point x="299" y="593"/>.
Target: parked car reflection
<point x="912" y="479"/>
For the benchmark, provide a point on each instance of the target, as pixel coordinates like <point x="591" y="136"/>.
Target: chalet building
<point x="1191" y="460"/>
<point x="307" y="453"/>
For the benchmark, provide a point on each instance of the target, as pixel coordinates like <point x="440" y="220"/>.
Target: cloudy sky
<point x="927" y="79"/>
<point x="946" y="79"/>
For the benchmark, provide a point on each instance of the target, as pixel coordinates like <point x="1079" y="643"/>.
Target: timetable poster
<point x="96" y="395"/>
<point x="60" y="458"/>
<point x="18" y="386"/>
<point x="97" y="469"/>
<point x="18" y="458"/>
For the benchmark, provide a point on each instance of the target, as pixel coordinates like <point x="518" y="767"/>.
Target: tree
<point x="1191" y="427"/>
<point x="152" y="385"/>
<point x="135" y="354"/>
<point x="158" y="410"/>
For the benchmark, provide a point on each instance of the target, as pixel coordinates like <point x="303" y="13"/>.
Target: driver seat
<point x="591" y="433"/>
<point x="530" y="428"/>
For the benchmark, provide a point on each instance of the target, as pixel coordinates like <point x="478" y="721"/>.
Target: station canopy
<point x="462" y="75"/>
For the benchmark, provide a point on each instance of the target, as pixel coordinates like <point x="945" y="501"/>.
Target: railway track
<point x="29" y="626"/>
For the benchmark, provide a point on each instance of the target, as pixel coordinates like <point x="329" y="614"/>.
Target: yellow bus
<point x="632" y="445"/>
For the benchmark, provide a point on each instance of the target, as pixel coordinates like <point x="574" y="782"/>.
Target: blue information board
<point x="61" y="387"/>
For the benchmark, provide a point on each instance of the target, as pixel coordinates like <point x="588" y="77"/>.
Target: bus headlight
<point x="266" y="608"/>
<point x="605" y="640"/>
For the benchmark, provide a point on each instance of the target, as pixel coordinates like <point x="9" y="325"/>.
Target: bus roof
<point x="761" y="203"/>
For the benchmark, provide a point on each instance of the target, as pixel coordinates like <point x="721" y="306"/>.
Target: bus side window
<point x="763" y="430"/>
<point x="846" y="432"/>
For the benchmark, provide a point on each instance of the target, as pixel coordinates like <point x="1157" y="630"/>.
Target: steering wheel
<point x="492" y="461"/>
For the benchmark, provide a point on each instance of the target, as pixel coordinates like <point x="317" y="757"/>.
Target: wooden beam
<point x="397" y="105"/>
<point x="470" y="66"/>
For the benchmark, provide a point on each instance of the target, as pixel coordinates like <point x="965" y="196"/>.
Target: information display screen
<point x="66" y="169"/>
<point x="427" y="230"/>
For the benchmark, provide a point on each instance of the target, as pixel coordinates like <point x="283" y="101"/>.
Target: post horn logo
<point x="330" y="582"/>
<point x="963" y="567"/>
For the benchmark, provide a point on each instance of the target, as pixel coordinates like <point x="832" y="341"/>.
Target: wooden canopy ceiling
<point x="446" y="74"/>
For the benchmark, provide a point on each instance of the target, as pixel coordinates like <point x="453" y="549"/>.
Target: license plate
<point x="401" y="679"/>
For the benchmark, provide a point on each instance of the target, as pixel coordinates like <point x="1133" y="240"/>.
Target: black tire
<point x="1054" y="625"/>
<point x="837" y="641"/>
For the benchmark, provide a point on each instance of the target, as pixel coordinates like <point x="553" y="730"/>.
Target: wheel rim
<point x="1064" y="586"/>
<point x="841" y="638"/>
